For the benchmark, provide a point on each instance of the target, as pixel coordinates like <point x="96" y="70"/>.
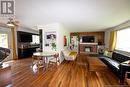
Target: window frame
<point x="116" y="40"/>
<point x="7" y="39"/>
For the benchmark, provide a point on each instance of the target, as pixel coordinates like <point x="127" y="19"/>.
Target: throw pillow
<point x="126" y="62"/>
<point x="72" y="53"/>
<point x="105" y="53"/>
<point x="109" y="54"/>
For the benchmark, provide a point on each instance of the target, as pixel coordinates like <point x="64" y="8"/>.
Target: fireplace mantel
<point x="89" y="43"/>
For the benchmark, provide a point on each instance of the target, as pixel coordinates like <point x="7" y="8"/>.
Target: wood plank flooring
<point x="67" y="74"/>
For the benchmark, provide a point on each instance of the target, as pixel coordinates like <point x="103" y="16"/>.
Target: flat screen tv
<point x="25" y="37"/>
<point x="88" y="39"/>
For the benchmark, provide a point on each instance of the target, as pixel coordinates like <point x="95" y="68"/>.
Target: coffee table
<point x="95" y="64"/>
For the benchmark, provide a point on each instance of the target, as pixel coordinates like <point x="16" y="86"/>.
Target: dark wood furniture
<point x="5" y="75"/>
<point x="25" y="48"/>
<point x="95" y="64"/>
<point x="26" y="52"/>
<point x="99" y="36"/>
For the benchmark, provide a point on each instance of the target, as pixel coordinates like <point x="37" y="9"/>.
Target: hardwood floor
<point x="68" y="74"/>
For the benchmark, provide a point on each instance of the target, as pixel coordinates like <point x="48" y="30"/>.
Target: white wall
<point x="27" y="30"/>
<point x="50" y="28"/>
<point x="61" y="32"/>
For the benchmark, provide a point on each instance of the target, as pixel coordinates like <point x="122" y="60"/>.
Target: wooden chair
<point x="55" y="60"/>
<point x="38" y="61"/>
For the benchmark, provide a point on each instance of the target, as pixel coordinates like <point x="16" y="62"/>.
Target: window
<point x="4" y="40"/>
<point x="123" y="40"/>
<point x="35" y="39"/>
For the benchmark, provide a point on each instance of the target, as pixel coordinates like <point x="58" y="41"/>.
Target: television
<point x="88" y="39"/>
<point x="25" y="37"/>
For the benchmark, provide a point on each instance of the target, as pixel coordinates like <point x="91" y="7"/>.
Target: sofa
<point x="4" y="52"/>
<point x="69" y="55"/>
<point x="118" y="63"/>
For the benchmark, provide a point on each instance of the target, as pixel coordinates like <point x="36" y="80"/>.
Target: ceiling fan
<point x="12" y="22"/>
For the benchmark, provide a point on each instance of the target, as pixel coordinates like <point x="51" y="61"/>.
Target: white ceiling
<point x="75" y="15"/>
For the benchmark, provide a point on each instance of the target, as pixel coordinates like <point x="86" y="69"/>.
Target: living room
<point x="64" y="43"/>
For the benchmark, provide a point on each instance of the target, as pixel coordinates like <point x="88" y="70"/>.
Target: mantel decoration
<point x="50" y="40"/>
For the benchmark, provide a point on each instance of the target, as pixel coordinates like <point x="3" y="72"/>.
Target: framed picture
<point x="50" y="40"/>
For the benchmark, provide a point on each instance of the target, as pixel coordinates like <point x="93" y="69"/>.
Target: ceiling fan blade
<point x="3" y="24"/>
<point x="17" y="23"/>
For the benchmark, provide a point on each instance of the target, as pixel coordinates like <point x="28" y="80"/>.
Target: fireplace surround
<point x="88" y="48"/>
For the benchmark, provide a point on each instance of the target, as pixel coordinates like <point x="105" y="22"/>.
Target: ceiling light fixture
<point x="10" y="24"/>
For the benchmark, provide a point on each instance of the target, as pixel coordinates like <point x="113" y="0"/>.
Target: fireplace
<point x="88" y="48"/>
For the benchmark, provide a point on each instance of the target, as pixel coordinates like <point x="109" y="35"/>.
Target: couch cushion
<point x="126" y="62"/>
<point x="66" y="52"/>
<point x="105" y="53"/>
<point x="120" y="57"/>
<point x="111" y="62"/>
<point x="73" y="53"/>
<point x="108" y="54"/>
<point x="2" y="55"/>
<point x="115" y="64"/>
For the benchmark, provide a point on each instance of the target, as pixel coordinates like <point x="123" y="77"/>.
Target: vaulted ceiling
<point x="75" y="15"/>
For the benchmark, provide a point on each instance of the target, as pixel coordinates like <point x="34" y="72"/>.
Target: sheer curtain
<point x="123" y="40"/>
